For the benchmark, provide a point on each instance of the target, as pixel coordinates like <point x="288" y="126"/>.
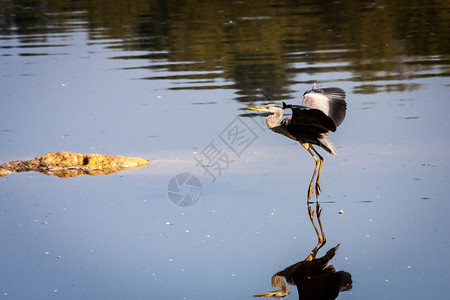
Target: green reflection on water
<point x="254" y="46"/>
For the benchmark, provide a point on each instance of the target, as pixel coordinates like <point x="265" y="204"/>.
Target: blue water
<point x="119" y="236"/>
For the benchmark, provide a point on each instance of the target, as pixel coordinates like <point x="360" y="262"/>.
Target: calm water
<point x="169" y="81"/>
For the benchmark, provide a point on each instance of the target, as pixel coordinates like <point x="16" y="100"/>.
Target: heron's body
<point x="322" y="111"/>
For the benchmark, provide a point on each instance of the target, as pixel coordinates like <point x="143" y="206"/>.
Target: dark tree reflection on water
<point x="247" y="46"/>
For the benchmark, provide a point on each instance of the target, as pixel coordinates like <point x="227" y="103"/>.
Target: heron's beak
<point x="273" y="294"/>
<point x="262" y="295"/>
<point x="256" y="108"/>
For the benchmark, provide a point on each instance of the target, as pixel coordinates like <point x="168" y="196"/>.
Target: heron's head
<point x="270" y="108"/>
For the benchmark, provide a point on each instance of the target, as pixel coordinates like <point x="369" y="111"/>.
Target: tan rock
<point x="68" y="164"/>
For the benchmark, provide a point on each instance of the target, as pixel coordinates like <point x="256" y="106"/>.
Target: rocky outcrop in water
<point x="68" y="164"/>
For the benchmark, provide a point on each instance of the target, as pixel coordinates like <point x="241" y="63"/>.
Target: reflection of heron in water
<point x="314" y="278"/>
<point x="322" y="111"/>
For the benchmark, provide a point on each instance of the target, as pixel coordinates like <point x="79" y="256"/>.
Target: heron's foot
<point x="310" y="192"/>
<point x="318" y="190"/>
<point x="318" y="209"/>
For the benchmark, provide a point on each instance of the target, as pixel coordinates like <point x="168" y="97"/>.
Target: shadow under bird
<point x="323" y="110"/>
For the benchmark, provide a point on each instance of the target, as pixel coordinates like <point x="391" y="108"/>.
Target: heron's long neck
<point x="272" y="120"/>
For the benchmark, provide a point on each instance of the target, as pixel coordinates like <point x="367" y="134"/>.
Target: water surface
<point x="168" y="81"/>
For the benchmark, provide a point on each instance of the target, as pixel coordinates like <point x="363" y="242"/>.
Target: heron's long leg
<point x="318" y="189"/>
<point x="320" y="236"/>
<point x="308" y="147"/>
<point x="318" y="213"/>
<point x="311" y="217"/>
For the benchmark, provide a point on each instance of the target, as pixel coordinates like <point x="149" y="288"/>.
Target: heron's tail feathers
<point x="328" y="145"/>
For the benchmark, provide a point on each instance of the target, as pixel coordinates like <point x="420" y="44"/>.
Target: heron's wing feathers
<point x="307" y="116"/>
<point x="331" y="101"/>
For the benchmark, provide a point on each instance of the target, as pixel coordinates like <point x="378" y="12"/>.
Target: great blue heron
<point x="313" y="277"/>
<point x="323" y="110"/>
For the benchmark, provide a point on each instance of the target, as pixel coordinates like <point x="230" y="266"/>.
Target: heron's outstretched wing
<point x="303" y="116"/>
<point x="330" y="101"/>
